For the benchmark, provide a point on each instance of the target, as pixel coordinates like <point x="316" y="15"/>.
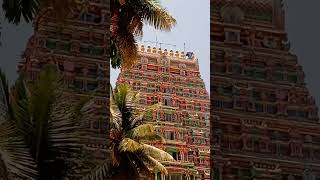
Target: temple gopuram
<point x="173" y="80"/>
<point x="79" y="47"/>
<point x="265" y="123"/>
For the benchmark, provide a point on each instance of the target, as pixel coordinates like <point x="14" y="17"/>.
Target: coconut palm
<point x="15" y="159"/>
<point x="127" y="20"/>
<point x="131" y="157"/>
<point x="49" y="123"/>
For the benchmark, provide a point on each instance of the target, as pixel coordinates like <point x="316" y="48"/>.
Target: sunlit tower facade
<point x="173" y="80"/>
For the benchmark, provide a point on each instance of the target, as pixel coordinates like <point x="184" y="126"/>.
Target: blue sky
<point x="193" y="29"/>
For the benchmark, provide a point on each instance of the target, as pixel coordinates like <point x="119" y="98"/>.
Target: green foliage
<point x="15" y="10"/>
<point x="50" y="123"/>
<point x="130" y="156"/>
<point x="15" y="159"/>
<point x="116" y="59"/>
<point x="128" y="18"/>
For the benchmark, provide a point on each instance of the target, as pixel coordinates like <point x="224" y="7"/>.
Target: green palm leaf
<point x="130" y="155"/>
<point x="51" y="123"/>
<point x="129" y="145"/>
<point x="157" y="153"/>
<point x="155" y="165"/>
<point x="15" y="10"/>
<point x="128" y="18"/>
<point x="99" y="173"/>
<point x="144" y="130"/>
<point x="157" y="16"/>
<point x="15" y="159"/>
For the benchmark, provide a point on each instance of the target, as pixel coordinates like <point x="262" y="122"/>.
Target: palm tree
<point x="131" y="157"/>
<point x="15" y="159"/>
<point x="127" y="20"/>
<point x="49" y="123"/>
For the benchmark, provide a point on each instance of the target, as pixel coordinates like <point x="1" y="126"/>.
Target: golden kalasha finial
<point x="183" y="55"/>
<point x="165" y="52"/>
<point x="177" y="54"/>
<point x="160" y="51"/>
<point x="154" y="50"/>
<point x="142" y="48"/>
<point x="171" y="52"/>
<point x="149" y="49"/>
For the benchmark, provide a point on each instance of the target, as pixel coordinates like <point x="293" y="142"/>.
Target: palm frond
<point x="21" y="107"/>
<point x="136" y="27"/>
<point x="100" y="172"/>
<point x="127" y="25"/>
<point x="116" y="116"/>
<point x="145" y="114"/>
<point x="67" y="127"/>
<point x="131" y="99"/>
<point x="158" y="17"/>
<point x="119" y="96"/>
<point x="150" y="110"/>
<point x="139" y="161"/>
<point x="127" y="47"/>
<point x="157" y="153"/>
<point x="115" y="156"/>
<point x="128" y="149"/>
<point x="14" y="154"/>
<point x="45" y="92"/>
<point x="125" y="98"/>
<point x="155" y="165"/>
<point x="15" y="10"/>
<point x="115" y="56"/>
<point x="144" y="132"/>
<point x="129" y="145"/>
<point x="63" y="133"/>
<point x="49" y="121"/>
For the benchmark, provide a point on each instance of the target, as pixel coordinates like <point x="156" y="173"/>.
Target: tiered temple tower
<point x="265" y="124"/>
<point x="173" y="79"/>
<point x="79" y="48"/>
